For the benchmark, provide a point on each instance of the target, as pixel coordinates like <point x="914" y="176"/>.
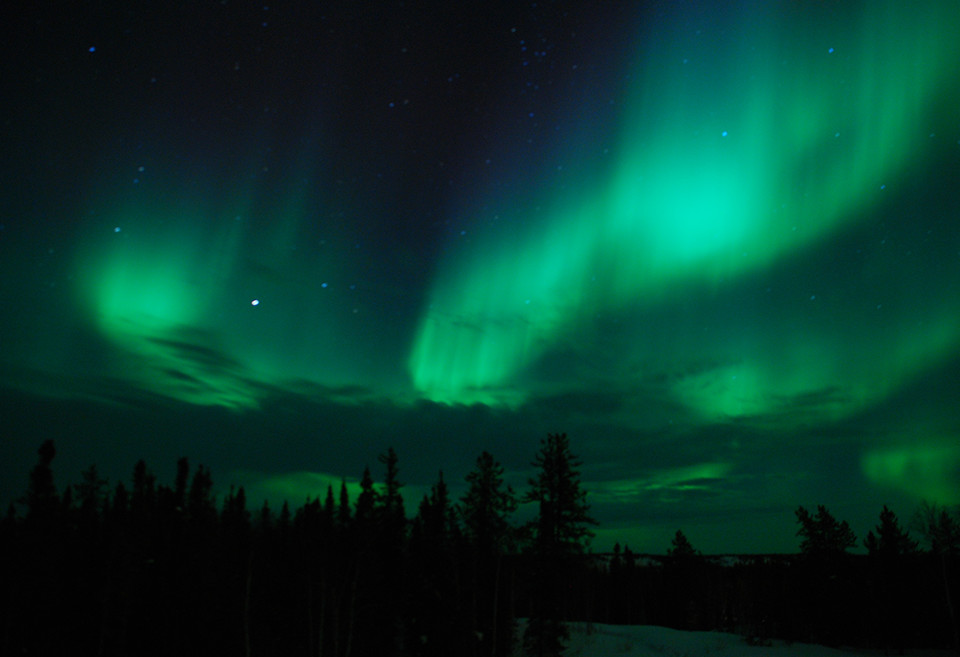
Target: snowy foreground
<point x="650" y="641"/>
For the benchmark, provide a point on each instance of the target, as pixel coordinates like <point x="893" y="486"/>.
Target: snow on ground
<point x="599" y="640"/>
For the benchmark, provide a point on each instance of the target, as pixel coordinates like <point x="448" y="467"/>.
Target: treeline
<point x="153" y="569"/>
<point x="894" y="597"/>
<point x="160" y="569"/>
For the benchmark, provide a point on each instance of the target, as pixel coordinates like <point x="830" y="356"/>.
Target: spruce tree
<point x="366" y="504"/>
<point x="38" y="570"/>
<point x="891" y="580"/>
<point x="684" y="570"/>
<point x="389" y="549"/>
<point x="180" y="487"/>
<point x="143" y="504"/>
<point x="343" y="509"/>
<point x="826" y="589"/>
<point x="329" y="505"/>
<point x="200" y="502"/>
<point x="434" y="612"/>
<point x="486" y="509"/>
<point x="487" y="506"/>
<point x="680" y="547"/>
<point x="823" y="535"/>
<point x="41" y="499"/>
<point x="940" y="526"/>
<point x="560" y="535"/>
<point x="392" y="502"/>
<point x="891" y="540"/>
<point x="92" y="492"/>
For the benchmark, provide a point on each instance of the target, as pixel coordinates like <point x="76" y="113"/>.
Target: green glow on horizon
<point x="679" y="479"/>
<point x="685" y="477"/>
<point x="827" y="374"/>
<point x="294" y="486"/>
<point x="729" y="158"/>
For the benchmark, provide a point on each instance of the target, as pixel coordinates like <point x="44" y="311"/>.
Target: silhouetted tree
<point x="265" y="518"/>
<point x="92" y="495"/>
<point x="822" y="534"/>
<point x="389" y="549"/>
<point x="235" y="564"/>
<point x="41" y="499"/>
<point x="11" y="544"/>
<point x="680" y="547"/>
<point x="200" y="503"/>
<point x="486" y="509"/>
<point x="625" y="605"/>
<point x="379" y="527"/>
<point x="892" y="572"/>
<point x="144" y="484"/>
<point x="826" y="593"/>
<point x="487" y="506"/>
<point x="143" y="508"/>
<point x="392" y="500"/>
<point x="435" y="618"/>
<point x="198" y="566"/>
<point x="366" y="507"/>
<point x="119" y="511"/>
<point x="940" y="526"/>
<point x="180" y="486"/>
<point x="314" y="537"/>
<point x="343" y="510"/>
<point x="42" y="556"/>
<point x="891" y="540"/>
<point x="560" y="535"/>
<point x="330" y="505"/>
<point x="686" y="573"/>
<point x="345" y="573"/>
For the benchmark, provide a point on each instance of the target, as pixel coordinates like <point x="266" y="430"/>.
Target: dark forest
<point x="147" y="568"/>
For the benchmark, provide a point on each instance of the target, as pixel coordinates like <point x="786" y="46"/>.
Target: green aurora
<point x="756" y="256"/>
<point x="727" y="163"/>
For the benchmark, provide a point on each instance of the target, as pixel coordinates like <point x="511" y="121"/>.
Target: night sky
<point x="717" y="244"/>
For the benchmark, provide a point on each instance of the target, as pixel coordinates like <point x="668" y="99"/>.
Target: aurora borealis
<point x="720" y="248"/>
